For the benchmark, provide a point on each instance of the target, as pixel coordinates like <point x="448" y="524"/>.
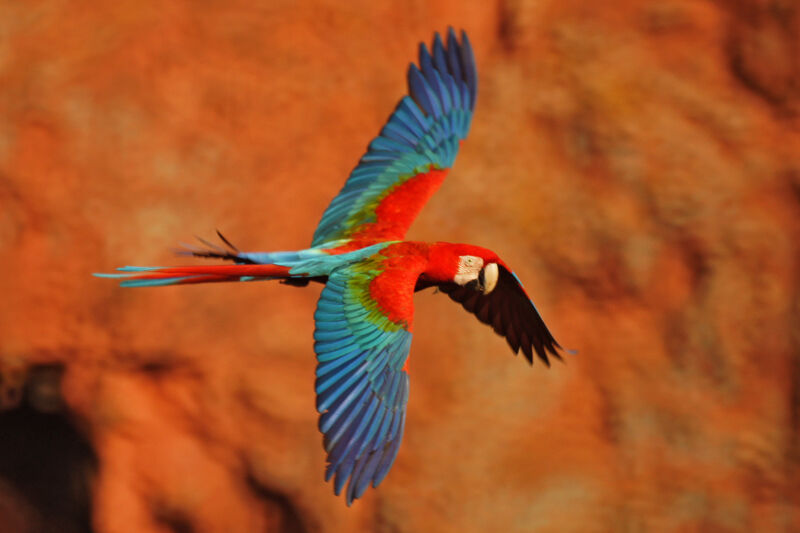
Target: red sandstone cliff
<point x="638" y="163"/>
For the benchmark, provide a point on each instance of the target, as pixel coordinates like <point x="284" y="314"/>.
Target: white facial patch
<point x="469" y="267"/>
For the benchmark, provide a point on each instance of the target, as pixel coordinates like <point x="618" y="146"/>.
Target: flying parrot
<point x="370" y="273"/>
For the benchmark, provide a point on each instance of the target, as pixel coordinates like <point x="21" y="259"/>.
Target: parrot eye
<point x="469" y="267"/>
<point x="487" y="278"/>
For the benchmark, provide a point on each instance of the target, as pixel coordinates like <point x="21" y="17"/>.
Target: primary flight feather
<point x="364" y="315"/>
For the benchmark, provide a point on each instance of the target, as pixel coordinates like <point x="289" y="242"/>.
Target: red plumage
<point x="396" y="212"/>
<point x="424" y="264"/>
<point x="206" y="274"/>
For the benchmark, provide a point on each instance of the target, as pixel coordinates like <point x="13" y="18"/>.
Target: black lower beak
<point x="476" y="284"/>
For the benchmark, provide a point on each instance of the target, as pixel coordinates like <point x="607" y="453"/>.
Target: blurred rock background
<point x="638" y="163"/>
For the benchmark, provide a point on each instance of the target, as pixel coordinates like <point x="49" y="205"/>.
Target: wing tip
<point x="450" y="57"/>
<point x="554" y="349"/>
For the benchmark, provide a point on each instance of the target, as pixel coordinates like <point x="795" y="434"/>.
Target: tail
<point x="133" y="276"/>
<point x="248" y="267"/>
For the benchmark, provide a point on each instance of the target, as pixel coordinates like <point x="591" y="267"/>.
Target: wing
<point x="510" y="312"/>
<point x="362" y="340"/>
<point x="405" y="164"/>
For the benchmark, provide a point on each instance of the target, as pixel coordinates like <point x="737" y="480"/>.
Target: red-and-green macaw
<point x="365" y="311"/>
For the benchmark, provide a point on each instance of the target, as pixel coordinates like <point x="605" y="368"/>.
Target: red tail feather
<point x="180" y="275"/>
<point x="222" y="270"/>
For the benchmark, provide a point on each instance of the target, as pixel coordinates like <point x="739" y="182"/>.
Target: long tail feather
<point x="212" y="251"/>
<point x="211" y="245"/>
<point x="133" y="276"/>
<point x="227" y="242"/>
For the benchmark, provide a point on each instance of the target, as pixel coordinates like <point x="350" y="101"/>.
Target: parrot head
<point x="475" y="272"/>
<point x="464" y="265"/>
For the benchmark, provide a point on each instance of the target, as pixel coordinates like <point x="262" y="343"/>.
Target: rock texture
<point x="638" y="163"/>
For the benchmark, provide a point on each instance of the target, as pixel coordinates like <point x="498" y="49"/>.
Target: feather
<point x="326" y="380"/>
<point x="212" y="246"/>
<point x="227" y="242"/>
<point x="325" y="399"/>
<point x="439" y="59"/>
<point x="396" y="130"/>
<point x="422" y="93"/>
<point x="341" y="477"/>
<point x="468" y="67"/>
<point x="453" y="63"/>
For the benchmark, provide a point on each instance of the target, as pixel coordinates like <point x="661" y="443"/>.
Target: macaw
<point x="370" y="272"/>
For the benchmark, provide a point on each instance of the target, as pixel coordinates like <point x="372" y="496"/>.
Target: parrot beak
<point x="487" y="278"/>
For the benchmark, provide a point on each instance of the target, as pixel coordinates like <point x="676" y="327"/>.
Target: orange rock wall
<point x="638" y="163"/>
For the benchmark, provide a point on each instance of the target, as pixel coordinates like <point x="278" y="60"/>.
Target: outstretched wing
<point x="510" y="312"/>
<point x="408" y="160"/>
<point x="362" y="340"/>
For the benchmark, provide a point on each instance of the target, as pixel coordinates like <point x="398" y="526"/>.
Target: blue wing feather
<point x="425" y="60"/>
<point x="453" y="61"/>
<point x="422" y="92"/>
<point x="469" y="69"/>
<point x="439" y="54"/>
